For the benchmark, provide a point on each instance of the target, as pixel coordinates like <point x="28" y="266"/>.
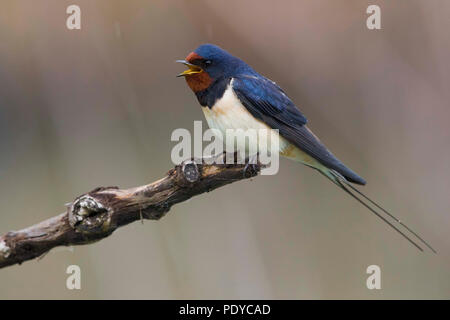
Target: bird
<point x="233" y="95"/>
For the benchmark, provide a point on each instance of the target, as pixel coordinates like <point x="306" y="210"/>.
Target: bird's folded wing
<point x="266" y="101"/>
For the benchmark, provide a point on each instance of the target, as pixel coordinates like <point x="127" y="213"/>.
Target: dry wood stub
<point x="97" y="214"/>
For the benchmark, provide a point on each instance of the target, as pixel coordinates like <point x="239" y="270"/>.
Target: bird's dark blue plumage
<point x="235" y="96"/>
<point x="266" y="101"/>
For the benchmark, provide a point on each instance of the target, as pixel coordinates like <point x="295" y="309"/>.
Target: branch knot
<point x="190" y="170"/>
<point x="88" y="216"/>
<point x="4" y="249"/>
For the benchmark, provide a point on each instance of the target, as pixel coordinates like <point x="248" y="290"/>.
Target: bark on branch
<point x="96" y="214"/>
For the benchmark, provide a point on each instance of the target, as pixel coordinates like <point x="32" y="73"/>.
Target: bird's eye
<point x="207" y="62"/>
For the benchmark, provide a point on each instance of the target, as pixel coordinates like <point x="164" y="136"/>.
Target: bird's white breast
<point x="229" y="113"/>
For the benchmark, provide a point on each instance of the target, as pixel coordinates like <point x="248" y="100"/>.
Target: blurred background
<point x="96" y="107"/>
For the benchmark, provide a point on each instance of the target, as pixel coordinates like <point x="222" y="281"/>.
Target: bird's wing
<point x="264" y="98"/>
<point x="266" y="101"/>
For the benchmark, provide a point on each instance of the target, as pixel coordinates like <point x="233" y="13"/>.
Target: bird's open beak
<point x="192" y="68"/>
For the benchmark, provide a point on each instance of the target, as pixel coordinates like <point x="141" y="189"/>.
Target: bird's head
<point x="207" y="64"/>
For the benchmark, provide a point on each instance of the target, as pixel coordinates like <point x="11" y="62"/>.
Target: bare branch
<point x="97" y="214"/>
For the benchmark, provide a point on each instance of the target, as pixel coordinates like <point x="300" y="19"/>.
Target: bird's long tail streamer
<point x="342" y="183"/>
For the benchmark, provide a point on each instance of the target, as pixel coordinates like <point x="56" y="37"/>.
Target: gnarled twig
<point x="97" y="214"/>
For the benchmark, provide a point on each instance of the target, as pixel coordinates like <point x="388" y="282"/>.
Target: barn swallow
<point x="234" y="96"/>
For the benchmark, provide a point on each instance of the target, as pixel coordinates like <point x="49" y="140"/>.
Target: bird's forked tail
<point x="375" y="208"/>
